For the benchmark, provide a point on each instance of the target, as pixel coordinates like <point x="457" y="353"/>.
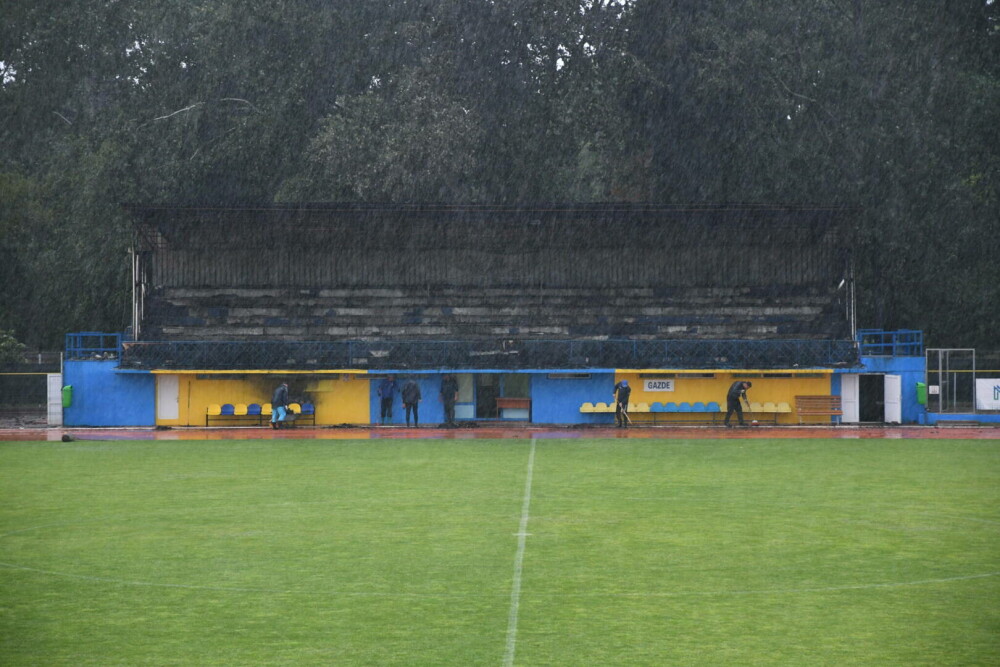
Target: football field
<point x="500" y="552"/>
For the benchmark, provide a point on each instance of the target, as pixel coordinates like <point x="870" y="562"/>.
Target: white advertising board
<point x="664" y="384"/>
<point x="988" y="393"/>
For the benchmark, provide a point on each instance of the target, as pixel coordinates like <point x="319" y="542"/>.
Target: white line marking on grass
<point x="522" y="538"/>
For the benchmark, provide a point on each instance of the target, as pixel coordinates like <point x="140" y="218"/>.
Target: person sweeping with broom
<point x="737" y="392"/>
<point x="621" y="392"/>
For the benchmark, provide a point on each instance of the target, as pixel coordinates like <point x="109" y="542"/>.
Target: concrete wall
<point x="338" y="398"/>
<point x="103" y="395"/>
<point x="556" y="399"/>
<point x="768" y="386"/>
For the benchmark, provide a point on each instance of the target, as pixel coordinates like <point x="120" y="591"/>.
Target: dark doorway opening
<point x="871" y="399"/>
<point x="487" y="390"/>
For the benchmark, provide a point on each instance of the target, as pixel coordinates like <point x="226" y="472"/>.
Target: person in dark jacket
<point x="411" y="400"/>
<point x="737" y="392"/>
<point x="279" y="405"/>
<point x="622" y="392"/>
<point x="449" y="396"/>
<point x="387" y="390"/>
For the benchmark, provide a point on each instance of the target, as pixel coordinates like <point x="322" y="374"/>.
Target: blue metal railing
<point x="93" y="345"/>
<point x="901" y="343"/>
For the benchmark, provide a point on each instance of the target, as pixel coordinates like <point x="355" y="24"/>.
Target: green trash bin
<point x="67" y="395"/>
<point x="922" y="393"/>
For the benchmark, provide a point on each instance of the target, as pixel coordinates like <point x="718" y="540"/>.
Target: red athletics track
<point x="507" y="431"/>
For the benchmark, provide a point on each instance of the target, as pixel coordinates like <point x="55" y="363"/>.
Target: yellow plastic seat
<point x="239" y="409"/>
<point x="603" y="407"/>
<point x="295" y="407"/>
<point x="784" y="407"/>
<point x="265" y="409"/>
<point x="638" y="407"/>
<point x="214" y="410"/>
<point x="769" y="407"/>
<point x="587" y="407"/>
<point x="756" y="407"/>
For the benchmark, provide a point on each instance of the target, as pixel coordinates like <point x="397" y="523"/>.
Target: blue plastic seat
<point x="684" y="407"/>
<point x="670" y="407"/>
<point x="657" y="407"/>
<point x="308" y="409"/>
<point x="714" y="407"/>
<point x="699" y="407"/>
<point x="228" y="409"/>
<point x="253" y="409"/>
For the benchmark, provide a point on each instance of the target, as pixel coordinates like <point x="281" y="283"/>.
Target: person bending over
<point x="737" y="392"/>
<point x="279" y="405"/>
<point x="622" y="392"/>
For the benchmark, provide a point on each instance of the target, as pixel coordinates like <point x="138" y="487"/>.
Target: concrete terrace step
<point x="288" y="314"/>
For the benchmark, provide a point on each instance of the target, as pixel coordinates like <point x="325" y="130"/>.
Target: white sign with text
<point x="988" y="393"/>
<point x="658" y="385"/>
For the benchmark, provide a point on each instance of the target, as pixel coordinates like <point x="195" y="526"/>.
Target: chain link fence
<point x="24" y="394"/>
<point x="952" y="375"/>
<point x="486" y="354"/>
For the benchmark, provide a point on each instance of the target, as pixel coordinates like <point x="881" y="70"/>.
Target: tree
<point x="892" y="107"/>
<point x="11" y="351"/>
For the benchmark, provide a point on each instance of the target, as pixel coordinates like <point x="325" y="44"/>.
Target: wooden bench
<point x="507" y="402"/>
<point x="821" y="406"/>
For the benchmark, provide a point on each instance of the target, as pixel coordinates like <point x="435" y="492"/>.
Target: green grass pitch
<point x="492" y="552"/>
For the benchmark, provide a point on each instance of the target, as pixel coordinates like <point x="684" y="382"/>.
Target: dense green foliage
<point x="390" y="552"/>
<point x="11" y="350"/>
<point x="889" y="106"/>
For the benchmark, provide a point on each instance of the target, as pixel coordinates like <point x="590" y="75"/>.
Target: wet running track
<point x="491" y="432"/>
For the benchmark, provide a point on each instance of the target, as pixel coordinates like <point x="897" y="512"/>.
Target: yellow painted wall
<point x="339" y="399"/>
<point x="693" y="389"/>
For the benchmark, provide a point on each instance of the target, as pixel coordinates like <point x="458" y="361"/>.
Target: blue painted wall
<point x="553" y="401"/>
<point x="557" y="401"/>
<point x="104" y="397"/>
<point x="431" y="409"/>
<point x="934" y="418"/>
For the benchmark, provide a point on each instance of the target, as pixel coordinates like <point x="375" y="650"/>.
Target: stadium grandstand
<point x="416" y="286"/>
<point x="536" y="311"/>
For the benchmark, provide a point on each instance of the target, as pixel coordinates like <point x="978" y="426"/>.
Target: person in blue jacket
<point x="279" y="405"/>
<point x="387" y="390"/>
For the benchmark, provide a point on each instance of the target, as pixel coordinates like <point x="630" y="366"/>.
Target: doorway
<point x="490" y="386"/>
<point x="871" y="398"/>
<point x="167" y="397"/>
<point x="487" y="390"/>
